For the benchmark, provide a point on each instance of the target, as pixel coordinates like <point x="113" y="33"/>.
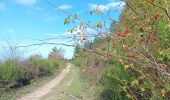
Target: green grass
<point x="8" y="71"/>
<point x="72" y="85"/>
<point x="74" y="88"/>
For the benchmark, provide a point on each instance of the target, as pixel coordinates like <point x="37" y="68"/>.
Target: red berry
<point x="113" y="45"/>
<point x="168" y="19"/>
<point x="154" y="37"/>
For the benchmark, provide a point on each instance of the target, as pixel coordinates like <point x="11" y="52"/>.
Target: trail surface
<point x="47" y="88"/>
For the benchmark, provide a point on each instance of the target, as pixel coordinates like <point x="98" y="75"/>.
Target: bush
<point x="48" y="66"/>
<point x="43" y="66"/>
<point x="24" y="75"/>
<point x="56" y="64"/>
<point x="15" y="73"/>
<point x="140" y="53"/>
<point x="78" y="62"/>
<point x="8" y="71"/>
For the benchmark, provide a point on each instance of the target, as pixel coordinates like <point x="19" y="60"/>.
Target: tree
<point x="113" y="26"/>
<point x="56" y="54"/>
<point x="10" y="51"/>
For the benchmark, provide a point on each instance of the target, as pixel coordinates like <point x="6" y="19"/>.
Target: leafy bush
<point x="48" y="66"/>
<point x="137" y="53"/>
<point x="78" y="62"/>
<point x="8" y="71"/>
<point x="56" y="64"/>
<point x="24" y="75"/>
<point x="15" y="73"/>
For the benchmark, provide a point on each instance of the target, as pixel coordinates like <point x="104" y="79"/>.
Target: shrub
<point x="48" y="66"/>
<point x="140" y="48"/>
<point x="24" y="75"/>
<point x="15" y="73"/>
<point x="43" y="66"/>
<point x="8" y="71"/>
<point x="56" y="64"/>
<point x="78" y="62"/>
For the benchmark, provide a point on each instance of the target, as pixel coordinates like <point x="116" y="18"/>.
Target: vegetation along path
<point x="45" y="89"/>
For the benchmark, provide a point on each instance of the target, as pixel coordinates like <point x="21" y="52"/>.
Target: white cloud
<point x="65" y="7"/>
<point x="100" y="7"/>
<point x="26" y="2"/>
<point x="2" y="6"/>
<point x="10" y="30"/>
<point x="107" y="6"/>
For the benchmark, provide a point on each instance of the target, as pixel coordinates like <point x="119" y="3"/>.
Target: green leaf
<point x="99" y="25"/>
<point x="67" y="21"/>
<point x="98" y="12"/>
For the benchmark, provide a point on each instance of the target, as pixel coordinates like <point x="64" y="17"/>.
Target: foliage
<point x="8" y="71"/>
<point x="136" y="54"/>
<point x="56" y="54"/>
<point x="78" y="62"/>
<point x="17" y="73"/>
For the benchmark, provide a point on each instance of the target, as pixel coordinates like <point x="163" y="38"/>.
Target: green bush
<point x="8" y="71"/>
<point x="20" y="73"/>
<point x="41" y="66"/>
<point x="113" y="78"/>
<point x="78" y="62"/>
<point x="24" y="75"/>
<point x="56" y="64"/>
<point x="140" y="53"/>
<point x="48" y="66"/>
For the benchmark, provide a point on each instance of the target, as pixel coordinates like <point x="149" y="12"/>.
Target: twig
<point x="73" y="97"/>
<point x="80" y="20"/>
<point x="165" y="10"/>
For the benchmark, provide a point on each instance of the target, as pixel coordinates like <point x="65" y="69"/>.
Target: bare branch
<point x="75" y="17"/>
<point x="165" y="10"/>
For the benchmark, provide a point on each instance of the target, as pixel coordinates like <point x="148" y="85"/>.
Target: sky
<point x="25" y="22"/>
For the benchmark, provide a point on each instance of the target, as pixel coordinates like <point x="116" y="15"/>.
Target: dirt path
<point x="45" y="89"/>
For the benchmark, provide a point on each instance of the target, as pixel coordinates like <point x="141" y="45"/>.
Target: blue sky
<point x="25" y="21"/>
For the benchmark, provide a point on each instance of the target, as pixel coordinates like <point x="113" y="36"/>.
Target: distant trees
<point x="56" y="54"/>
<point x="113" y="26"/>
